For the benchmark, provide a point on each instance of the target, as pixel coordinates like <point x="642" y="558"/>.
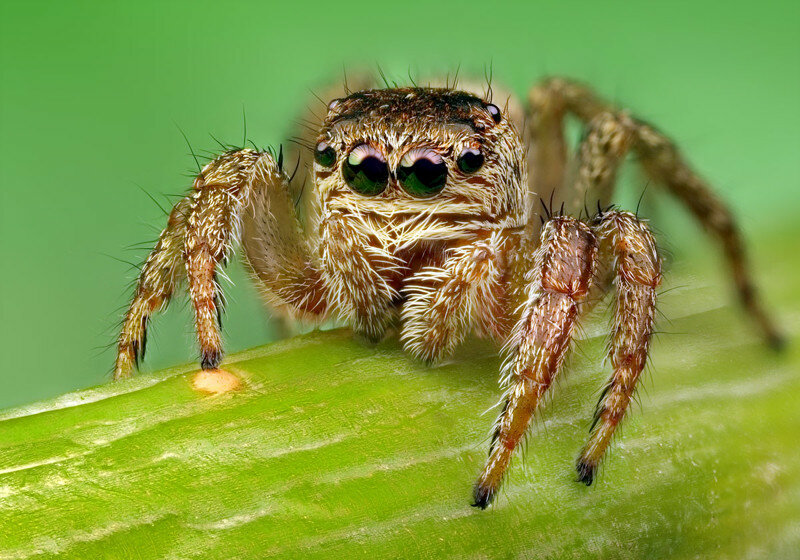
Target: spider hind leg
<point x="555" y="98"/>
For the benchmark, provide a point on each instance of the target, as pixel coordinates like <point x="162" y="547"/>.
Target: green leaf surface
<point x="336" y="449"/>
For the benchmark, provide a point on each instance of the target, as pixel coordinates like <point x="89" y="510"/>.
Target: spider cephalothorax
<point x="421" y="141"/>
<point x="408" y="175"/>
<point x="424" y="218"/>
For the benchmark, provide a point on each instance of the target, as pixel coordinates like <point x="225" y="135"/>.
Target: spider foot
<point x="368" y="337"/>
<point x="777" y="342"/>
<point x="210" y="358"/>
<point x="482" y="495"/>
<point x="586" y="471"/>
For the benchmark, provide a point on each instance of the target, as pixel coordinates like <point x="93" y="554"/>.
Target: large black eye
<point x="470" y="160"/>
<point x="324" y="155"/>
<point x="422" y="172"/>
<point x="366" y="171"/>
<point x="494" y="110"/>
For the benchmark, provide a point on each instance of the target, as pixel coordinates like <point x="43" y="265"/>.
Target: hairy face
<point x="435" y="153"/>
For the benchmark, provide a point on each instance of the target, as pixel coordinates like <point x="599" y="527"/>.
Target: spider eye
<point x="494" y="110"/>
<point x="366" y="171"/>
<point x="422" y="173"/>
<point x="470" y="160"/>
<point x="324" y="155"/>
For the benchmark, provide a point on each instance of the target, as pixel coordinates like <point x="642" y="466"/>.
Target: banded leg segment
<point x="202" y="231"/>
<point x="212" y="229"/>
<point x="444" y="301"/>
<point x="276" y="251"/>
<point x="161" y="274"/>
<point x="549" y="102"/>
<point x="660" y="159"/>
<point x="603" y="149"/>
<point x="638" y="275"/>
<point x="561" y="277"/>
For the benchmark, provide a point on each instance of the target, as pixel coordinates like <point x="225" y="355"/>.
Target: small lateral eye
<point x="324" y="155"/>
<point x="422" y="172"/>
<point x="494" y="110"/>
<point x="365" y="170"/>
<point x="470" y="160"/>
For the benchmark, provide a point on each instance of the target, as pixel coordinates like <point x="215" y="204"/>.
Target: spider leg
<point x="547" y="156"/>
<point x="561" y="276"/>
<point x="443" y="301"/>
<point x="604" y="146"/>
<point x="161" y="274"/>
<point x="201" y="233"/>
<point x="360" y="273"/>
<point x="638" y="274"/>
<point x="661" y="160"/>
<point x="602" y="150"/>
<point x="275" y="249"/>
<point x="549" y="103"/>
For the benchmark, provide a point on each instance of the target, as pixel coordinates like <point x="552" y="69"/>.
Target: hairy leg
<point x="547" y="156"/>
<point x="602" y="150"/>
<point x="161" y="274"/>
<point x="638" y="275"/>
<point x="561" y="277"/>
<point x="549" y="103"/>
<point x="277" y="252"/>
<point x="444" y="301"/>
<point x="663" y="163"/>
<point x="213" y="227"/>
<point x="361" y="276"/>
<point x="201" y="233"/>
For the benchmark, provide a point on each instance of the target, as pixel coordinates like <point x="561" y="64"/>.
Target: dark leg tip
<point x="776" y="342"/>
<point x="430" y="362"/>
<point x="482" y="496"/>
<point x="585" y="472"/>
<point x="210" y="360"/>
<point x="368" y="338"/>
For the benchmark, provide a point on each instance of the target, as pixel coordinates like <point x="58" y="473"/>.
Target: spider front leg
<point x="360" y="273"/>
<point x="160" y="275"/>
<point x="638" y="274"/>
<point x="200" y="235"/>
<point x="443" y="301"/>
<point x="561" y="277"/>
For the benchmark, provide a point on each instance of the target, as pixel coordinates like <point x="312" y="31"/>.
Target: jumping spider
<point x="425" y="217"/>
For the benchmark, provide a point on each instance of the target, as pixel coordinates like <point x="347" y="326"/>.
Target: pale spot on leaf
<point x="215" y="381"/>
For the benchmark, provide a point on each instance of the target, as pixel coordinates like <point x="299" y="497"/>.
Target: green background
<point x="91" y="92"/>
